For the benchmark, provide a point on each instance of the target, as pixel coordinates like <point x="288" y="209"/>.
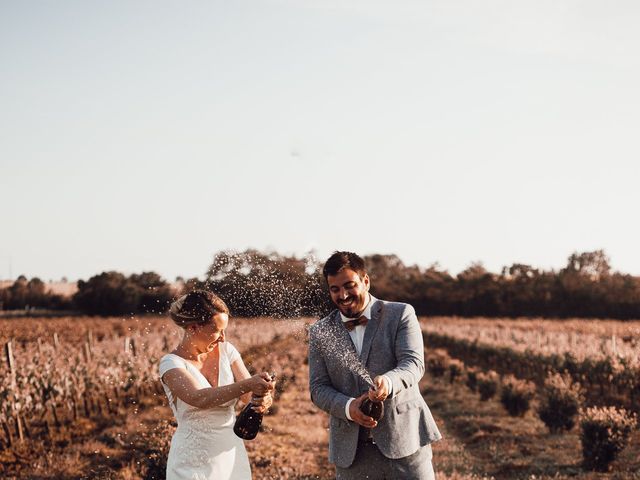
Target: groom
<point x="387" y="339"/>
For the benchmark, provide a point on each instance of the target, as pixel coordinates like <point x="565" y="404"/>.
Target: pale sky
<point x="149" y="135"/>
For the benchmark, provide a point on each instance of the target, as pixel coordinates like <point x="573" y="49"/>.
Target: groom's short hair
<point x="341" y="260"/>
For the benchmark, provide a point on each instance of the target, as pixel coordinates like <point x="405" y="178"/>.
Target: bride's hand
<point x="261" y="384"/>
<point x="262" y="404"/>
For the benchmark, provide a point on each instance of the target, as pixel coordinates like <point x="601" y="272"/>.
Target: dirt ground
<point x="480" y="439"/>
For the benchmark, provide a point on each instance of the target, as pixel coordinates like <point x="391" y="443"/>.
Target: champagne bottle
<point x="372" y="409"/>
<point x="248" y="421"/>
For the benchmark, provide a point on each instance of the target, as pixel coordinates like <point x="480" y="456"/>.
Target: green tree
<point x="109" y="293"/>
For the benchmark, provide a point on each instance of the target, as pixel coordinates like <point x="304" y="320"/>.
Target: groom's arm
<point x="409" y="351"/>
<point x="323" y="393"/>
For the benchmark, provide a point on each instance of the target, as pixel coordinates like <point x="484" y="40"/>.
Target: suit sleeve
<point x="323" y="393"/>
<point x="409" y="351"/>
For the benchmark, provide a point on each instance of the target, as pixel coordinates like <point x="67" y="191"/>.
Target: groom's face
<point x="349" y="292"/>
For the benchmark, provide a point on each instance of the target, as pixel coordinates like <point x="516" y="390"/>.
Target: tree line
<point x="255" y="283"/>
<point x="27" y="294"/>
<point x="109" y="293"/>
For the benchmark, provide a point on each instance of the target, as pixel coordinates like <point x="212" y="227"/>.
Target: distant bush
<point x="604" y="434"/>
<point x="516" y="395"/>
<point x="111" y="293"/>
<point x="154" y="294"/>
<point x="29" y="294"/>
<point x="437" y="362"/>
<point x="487" y="384"/>
<point x="472" y="378"/>
<point x="560" y="400"/>
<point x="456" y="368"/>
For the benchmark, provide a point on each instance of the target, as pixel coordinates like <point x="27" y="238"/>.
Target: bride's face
<point x="206" y="337"/>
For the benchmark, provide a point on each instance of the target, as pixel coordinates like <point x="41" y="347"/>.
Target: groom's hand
<point x="357" y="415"/>
<point x="380" y="391"/>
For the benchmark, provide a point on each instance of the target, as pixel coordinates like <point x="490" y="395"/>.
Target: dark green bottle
<point x="248" y="421"/>
<point x="372" y="409"/>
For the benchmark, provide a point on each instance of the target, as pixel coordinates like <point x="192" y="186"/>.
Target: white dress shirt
<point x="357" y="336"/>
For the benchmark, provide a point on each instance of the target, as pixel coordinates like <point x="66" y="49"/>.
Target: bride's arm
<point x="264" y="401"/>
<point x="184" y="386"/>
<point x="240" y="373"/>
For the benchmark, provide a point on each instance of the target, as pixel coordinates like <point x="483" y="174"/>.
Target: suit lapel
<point x="370" y="330"/>
<point x="343" y="332"/>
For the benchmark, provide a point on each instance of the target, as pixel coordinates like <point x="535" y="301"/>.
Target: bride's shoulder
<point x="170" y="356"/>
<point x="230" y="351"/>
<point x="171" y="360"/>
<point x="228" y="346"/>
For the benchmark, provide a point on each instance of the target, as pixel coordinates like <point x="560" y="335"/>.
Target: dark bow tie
<point x="351" y="324"/>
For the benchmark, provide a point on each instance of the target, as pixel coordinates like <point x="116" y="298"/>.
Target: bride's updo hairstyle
<point x="196" y="308"/>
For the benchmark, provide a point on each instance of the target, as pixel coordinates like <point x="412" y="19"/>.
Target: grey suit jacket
<point x="392" y="346"/>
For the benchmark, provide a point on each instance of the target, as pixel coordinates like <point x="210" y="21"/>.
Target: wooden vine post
<point x="87" y="352"/>
<point x="19" y="428"/>
<point x="74" y="407"/>
<point x="25" y="426"/>
<point x="130" y="346"/>
<point x="8" y="351"/>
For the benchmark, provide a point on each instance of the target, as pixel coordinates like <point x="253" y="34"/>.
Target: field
<point x="79" y="397"/>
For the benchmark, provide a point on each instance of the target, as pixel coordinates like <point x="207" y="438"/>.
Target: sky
<point x="149" y="135"/>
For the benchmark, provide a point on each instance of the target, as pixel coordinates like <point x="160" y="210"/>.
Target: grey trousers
<point x="371" y="464"/>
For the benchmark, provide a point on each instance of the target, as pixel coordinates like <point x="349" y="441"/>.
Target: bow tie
<point x="351" y="324"/>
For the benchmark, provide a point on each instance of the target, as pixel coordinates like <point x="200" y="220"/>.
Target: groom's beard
<point x="355" y="308"/>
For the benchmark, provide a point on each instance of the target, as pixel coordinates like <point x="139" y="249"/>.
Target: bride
<point x="203" y="379"/>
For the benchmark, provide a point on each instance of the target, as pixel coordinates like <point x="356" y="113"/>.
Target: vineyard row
<point x="607" y="380"/>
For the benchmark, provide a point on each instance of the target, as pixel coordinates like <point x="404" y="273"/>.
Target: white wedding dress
<point x="204" y="446"/>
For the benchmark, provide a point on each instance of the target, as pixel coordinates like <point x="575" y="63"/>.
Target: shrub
<point x="604" y="433"/>
<point x="27" y="294"/>
<point x="437" y="362"/>
<point x="560" y="400"/>
<point x="109" y="293"/>
<point x="112" y="293"/>
<point x="487" y="384"/>
<point x="456" y="367"/>
<point x="472" y="378"/>
<point x="516" y="395"/>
